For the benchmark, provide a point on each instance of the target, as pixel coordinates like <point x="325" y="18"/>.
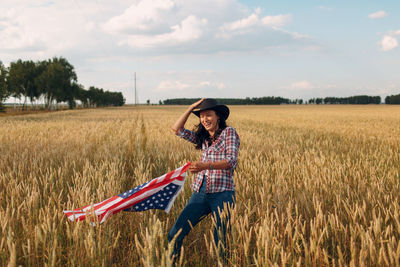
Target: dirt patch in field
<point x="9" y="111"/>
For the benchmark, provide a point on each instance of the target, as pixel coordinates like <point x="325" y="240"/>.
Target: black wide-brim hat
<point x="210" y="103"/>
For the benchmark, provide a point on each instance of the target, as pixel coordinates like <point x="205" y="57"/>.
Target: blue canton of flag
<point x="159" y="200"/>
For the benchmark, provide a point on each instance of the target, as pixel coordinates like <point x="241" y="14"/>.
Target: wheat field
<point x="316" y="186"/>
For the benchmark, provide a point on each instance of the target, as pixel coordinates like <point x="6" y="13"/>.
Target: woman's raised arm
<point x="180" y="123"/>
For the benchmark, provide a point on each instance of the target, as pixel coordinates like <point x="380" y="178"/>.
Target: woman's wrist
<point x="206" y="165"/>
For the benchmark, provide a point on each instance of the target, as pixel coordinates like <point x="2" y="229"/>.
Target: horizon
<point x="185" y="49"/>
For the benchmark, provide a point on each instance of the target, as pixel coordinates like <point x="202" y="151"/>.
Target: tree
<point x="94" y="96"/>
<point x="120" y="100"/>
<point x="58" y="81"/>
<point x="81" y="94"/>
<point x="22" y="76"/>
<point x="358" y="99"/>
<point x="4" y="92"/>
<point x="66" y="77"/>
<point x="393" y="99"/>
<point x="44" y="82"/>
<point x="99" y="98"/>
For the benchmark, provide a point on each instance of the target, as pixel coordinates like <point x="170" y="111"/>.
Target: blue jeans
<point x="198" y="207"/>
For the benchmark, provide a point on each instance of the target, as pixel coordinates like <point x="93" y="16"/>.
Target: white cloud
<point x="192" y="26"/>
<point x="243" y="23"/>
<point x="388" y="43"/>
<point x="378" y="15"/>
<point x="90" y="26"/>
<point x="205" y="83"/>
<point x="189" y="29"/>
<point x="38" y="31"/>
<point x="179" y="85"/>
<point x="172" y="85"/>
<point x="216" y="85"/>
<point x="301" y="85"/>
<point x="15" y="34"/>
<point x="220" y="85"/>
<point x="392" y="33"/>
<point x="277" y="21"/>
<point x="253" y="20"/>
<point x="141" y="17"/>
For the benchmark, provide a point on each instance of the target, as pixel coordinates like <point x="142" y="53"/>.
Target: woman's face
<point x="209" y="120"/>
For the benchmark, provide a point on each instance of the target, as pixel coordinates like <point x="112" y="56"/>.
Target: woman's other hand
<point x="198" y="166"/>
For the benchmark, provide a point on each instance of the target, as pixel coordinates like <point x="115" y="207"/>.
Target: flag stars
<point x="159" y="200"/>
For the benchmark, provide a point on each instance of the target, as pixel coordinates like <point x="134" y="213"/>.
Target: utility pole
<point x="135" y="91"/>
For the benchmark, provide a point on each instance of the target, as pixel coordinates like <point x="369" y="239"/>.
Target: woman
<point x="213" y="187"/>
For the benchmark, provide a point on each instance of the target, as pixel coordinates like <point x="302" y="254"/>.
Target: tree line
<point x="393" y="99"/>
<point x="355" y="100"/>
<point x="53" y="81"/>
<point x="270" y="100"/>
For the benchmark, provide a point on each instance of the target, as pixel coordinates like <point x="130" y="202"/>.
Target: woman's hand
<point x="198" y="166"/>
<point x="196" y="104"/>
<point x="180" y="123"/>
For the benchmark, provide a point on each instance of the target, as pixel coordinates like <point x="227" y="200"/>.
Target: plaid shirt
<point x="226" y="147"/>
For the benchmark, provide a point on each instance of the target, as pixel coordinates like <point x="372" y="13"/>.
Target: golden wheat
<point x="316" y="186"/>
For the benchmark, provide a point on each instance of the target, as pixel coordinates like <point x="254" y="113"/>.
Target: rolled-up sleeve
<point x="187" y="135"/>
<point x="232" y="146"/>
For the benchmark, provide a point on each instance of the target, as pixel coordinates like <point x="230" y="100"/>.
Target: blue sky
<point x="219" y="48"/>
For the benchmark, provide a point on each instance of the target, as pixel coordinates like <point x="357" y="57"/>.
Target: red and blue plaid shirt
<point x="226" y="147"/>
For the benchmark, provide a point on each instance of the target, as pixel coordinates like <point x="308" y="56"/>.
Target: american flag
<point x="159" y="193"/>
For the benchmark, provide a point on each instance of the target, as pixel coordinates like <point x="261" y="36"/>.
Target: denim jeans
<point x="198" y="207"/>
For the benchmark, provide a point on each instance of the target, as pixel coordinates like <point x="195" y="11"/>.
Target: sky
<point x="213" y="48"/>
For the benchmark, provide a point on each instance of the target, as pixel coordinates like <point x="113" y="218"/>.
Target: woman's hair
<point x="202" y="134"/>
